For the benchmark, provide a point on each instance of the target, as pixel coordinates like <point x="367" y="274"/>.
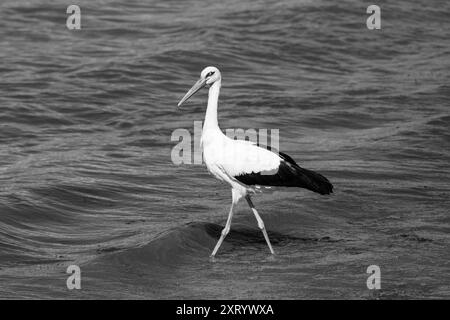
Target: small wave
<point x="196" y="240"/>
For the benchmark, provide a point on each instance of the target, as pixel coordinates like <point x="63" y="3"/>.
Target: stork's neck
<point x="211" y="110"/>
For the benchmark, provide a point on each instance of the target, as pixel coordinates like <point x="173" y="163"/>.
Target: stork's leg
<point x="235" y="199"/>
<point x="260" y="223"/>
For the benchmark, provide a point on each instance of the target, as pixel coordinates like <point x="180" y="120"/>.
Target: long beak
<point x="197" y="86"/>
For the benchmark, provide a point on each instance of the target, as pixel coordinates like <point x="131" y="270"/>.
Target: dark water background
<point x="86" y="177"/>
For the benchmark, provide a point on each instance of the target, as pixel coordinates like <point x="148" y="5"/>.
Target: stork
<point x="244" y="165"/>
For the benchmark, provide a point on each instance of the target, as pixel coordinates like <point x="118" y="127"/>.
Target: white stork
<point x="243" y="164"/>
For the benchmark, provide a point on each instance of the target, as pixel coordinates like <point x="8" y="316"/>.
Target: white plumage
<point x="237" y="157"/>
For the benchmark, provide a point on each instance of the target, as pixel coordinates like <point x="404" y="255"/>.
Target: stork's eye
<point x="210" y="74"/>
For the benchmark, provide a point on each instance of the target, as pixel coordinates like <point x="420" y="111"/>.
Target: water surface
<point x="86" y="177"/>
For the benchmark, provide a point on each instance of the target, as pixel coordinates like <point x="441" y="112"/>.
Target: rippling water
<point x="86" y="119"/>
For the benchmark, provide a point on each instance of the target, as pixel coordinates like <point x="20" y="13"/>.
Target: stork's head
<point x="208" y="77"/>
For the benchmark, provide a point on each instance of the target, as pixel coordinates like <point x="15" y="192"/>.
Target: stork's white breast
<point x="238" y="157"/>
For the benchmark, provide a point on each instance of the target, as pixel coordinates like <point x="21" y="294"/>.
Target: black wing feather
<point x="289" y="174"/>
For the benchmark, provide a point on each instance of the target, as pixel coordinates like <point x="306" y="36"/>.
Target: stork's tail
<point x="312" y="180"/>
<point x="308" y="179"/>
